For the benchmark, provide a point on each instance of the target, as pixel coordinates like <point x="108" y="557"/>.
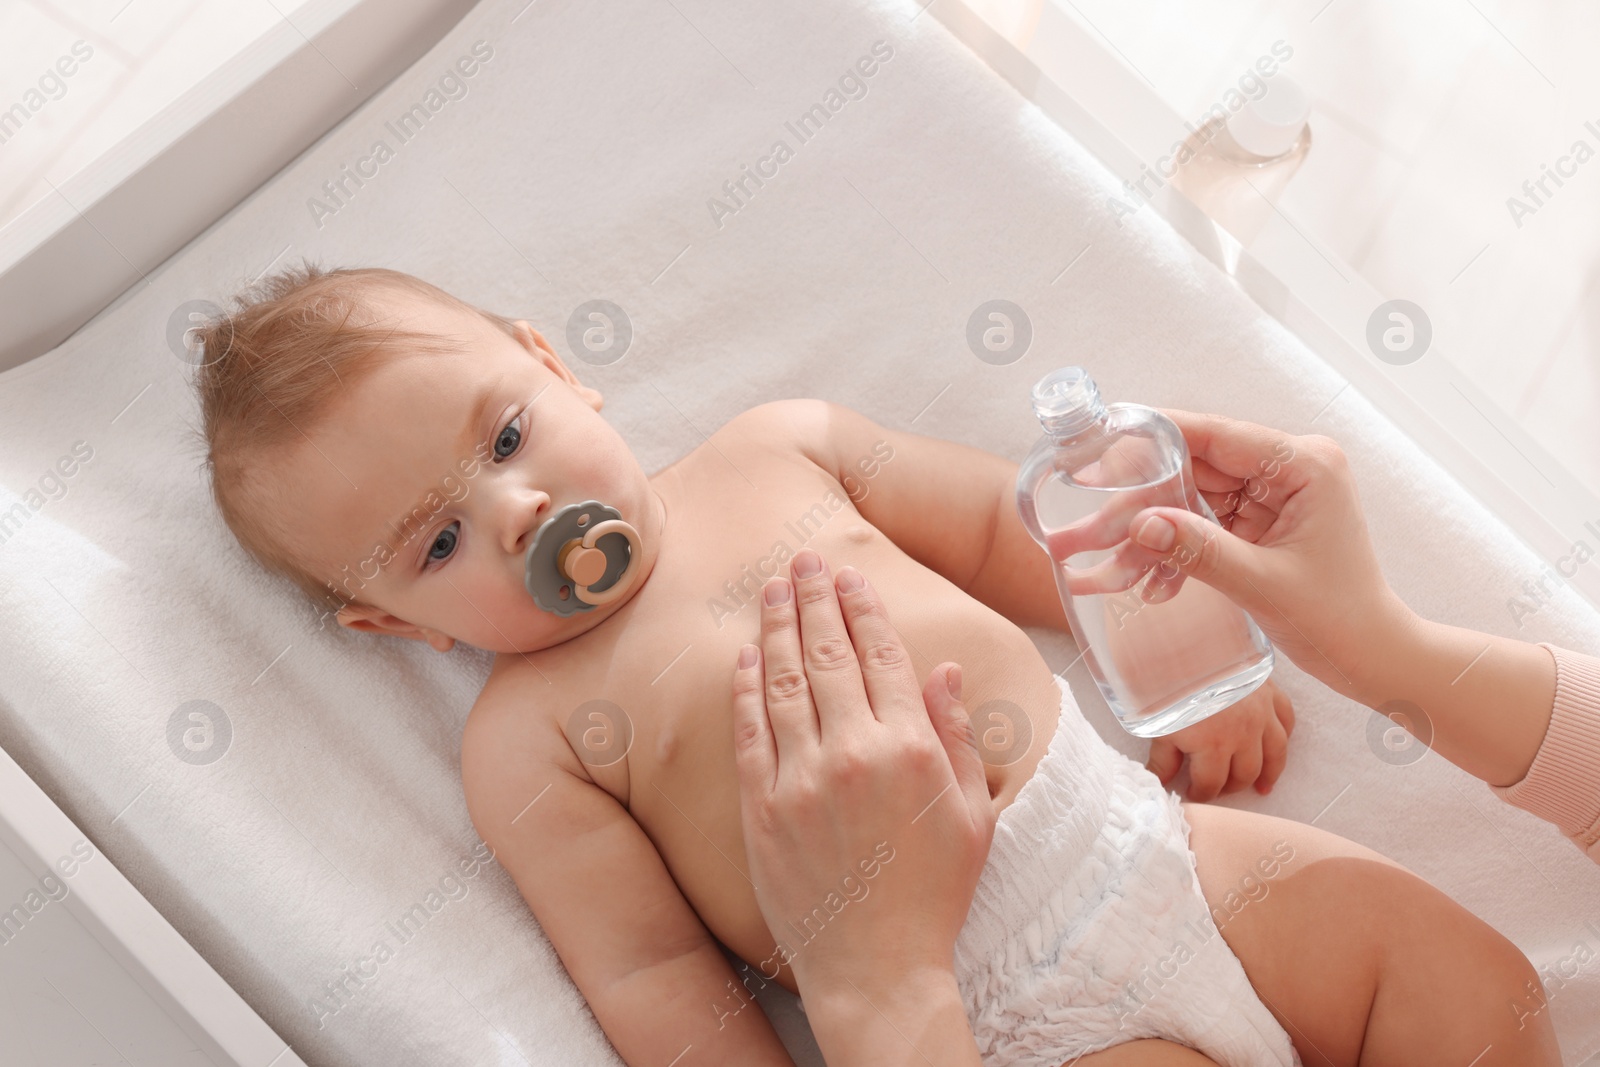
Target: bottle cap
<point x="1063" y="390"/>
<point x="1271" y="126"/>
<point x="1067" y="401"/>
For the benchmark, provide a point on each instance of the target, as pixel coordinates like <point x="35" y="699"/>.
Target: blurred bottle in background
<point x="1243" y="161"/>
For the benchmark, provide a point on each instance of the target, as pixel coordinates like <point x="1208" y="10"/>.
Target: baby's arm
<point x="650" y="971"/>
<point x="949" y="506"/>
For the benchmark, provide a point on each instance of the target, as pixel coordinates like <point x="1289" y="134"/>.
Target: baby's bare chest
<point x="733" y="522"/>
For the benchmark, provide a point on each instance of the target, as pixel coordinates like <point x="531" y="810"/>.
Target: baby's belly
<point x="682" y="784"/>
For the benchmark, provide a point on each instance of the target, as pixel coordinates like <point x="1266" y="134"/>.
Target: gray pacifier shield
<point x="545" y="583"/>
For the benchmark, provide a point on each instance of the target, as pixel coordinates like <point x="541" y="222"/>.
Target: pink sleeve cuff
<point x="1562" y="785"/>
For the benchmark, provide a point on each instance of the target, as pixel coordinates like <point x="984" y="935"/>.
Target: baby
<point x="394" y="451"/>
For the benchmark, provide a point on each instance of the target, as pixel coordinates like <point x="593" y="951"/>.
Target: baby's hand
<point x="1243" y="745"/>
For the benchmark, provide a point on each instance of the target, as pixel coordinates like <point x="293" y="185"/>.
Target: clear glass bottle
<point x="1162" y="661"/>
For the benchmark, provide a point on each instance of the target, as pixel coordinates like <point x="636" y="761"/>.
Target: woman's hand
<point x="867" y="815"/>
<point x="867" y="821"/>
<point x="1293" y="551"/>
<point x="1292" y="548"/>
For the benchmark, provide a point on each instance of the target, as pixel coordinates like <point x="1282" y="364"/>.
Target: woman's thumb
<point x="950" y="721"/>
<point x="1198" y="548"/>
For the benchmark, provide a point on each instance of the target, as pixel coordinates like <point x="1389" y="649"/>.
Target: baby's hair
<point x="269" y="369"/>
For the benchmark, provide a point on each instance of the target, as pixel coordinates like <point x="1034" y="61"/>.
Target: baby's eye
<point x="444" y="544"/>
<point x="509" y="439"/>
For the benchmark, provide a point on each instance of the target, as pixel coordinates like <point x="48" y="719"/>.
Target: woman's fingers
<point x="1222" y="505"/>
<point x="1121" y="570"/>
<point x="754" y="751"/>
<point x="1092" y="533"/>
<point x="1236" y="448"/>
<point x="886" y="668"/>
<point x="949" y="718"/>
<point x="786" y="688"/>
<point x="1106" y="526"/>
<point x="1210" y="480"/>
<point x="1252" y="520"/>
<point x="1164" y="582"/>
<point x="832" y="669"/>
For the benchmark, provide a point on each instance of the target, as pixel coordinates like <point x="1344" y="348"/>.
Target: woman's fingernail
<point x="1156" y="533"/>
<point x="849" y="580"/>
<point x="952" y="682"/>
<point x="807" y="564"/>
<point x="747" y="657"/>
<point x="777" y="592"/>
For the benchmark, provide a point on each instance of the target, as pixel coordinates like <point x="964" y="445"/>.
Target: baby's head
<point x="392" y="450"/>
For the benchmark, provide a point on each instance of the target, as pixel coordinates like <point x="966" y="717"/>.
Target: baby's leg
<point x="1362" y="962"/>
<point x="1143" y="1054"/>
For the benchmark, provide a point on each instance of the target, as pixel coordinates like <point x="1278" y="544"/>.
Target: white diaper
<point x="1088" y="928"/>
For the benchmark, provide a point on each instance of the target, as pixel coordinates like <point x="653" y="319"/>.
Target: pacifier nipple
<point x="584" y="556"/>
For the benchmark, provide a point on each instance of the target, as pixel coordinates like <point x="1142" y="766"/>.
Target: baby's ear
<point x="538" y="347"/>
<point x="530" y="338"/>
<point x="377" y="621"/>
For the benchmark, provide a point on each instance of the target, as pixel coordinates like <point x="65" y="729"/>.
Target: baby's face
<point x="421" y="489"/>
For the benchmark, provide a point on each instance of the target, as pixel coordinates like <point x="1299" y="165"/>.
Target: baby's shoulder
<point x="778" y="435"/>
<point x="798" y="428"/>
<point x="513" y="718"/>
<point x="513" y="752"/>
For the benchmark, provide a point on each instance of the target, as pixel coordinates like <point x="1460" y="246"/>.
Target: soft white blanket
<point x="585" y="157"/>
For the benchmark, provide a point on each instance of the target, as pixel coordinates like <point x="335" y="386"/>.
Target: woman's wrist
<point x="914" y="1017"/>
<point x="1392" y="641"/>
<point x="1484" y="700"/>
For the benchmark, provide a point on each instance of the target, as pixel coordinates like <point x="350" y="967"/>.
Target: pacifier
<point x="581" y="558"/>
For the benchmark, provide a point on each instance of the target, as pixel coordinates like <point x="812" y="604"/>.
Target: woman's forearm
<point x="918" y="1020"/>
<point x="1486" y="699"/>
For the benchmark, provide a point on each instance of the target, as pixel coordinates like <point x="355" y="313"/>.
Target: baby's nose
<point x="523" y="520"/>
